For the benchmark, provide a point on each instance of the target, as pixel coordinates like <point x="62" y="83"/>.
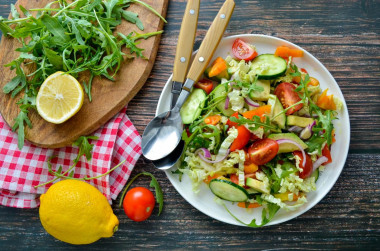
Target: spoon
<point x="163" y="134"/>
<point x="181" y="64"/>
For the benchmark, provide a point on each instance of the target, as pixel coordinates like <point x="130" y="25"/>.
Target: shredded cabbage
<point x="198" y="170"/>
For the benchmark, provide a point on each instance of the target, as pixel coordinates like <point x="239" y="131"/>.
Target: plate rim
<point x="347" y="134"/>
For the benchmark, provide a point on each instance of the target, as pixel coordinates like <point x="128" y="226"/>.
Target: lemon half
<point x="60" y="97"/>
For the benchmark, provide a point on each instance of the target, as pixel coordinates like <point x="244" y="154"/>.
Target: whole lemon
<point x="76" y="212"/>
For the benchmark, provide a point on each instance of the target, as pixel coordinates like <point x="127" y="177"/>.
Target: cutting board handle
<point x="211" y="41"/>
<point x="186" y="41"/>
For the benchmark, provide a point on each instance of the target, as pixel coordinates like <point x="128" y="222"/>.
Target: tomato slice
<point x="327" y="154"/>
<point x="205" y="84"/>
<point x="263" y="151"/>
<point x="243" y="51"/>
<point x="139" y="203"/>
<point x="242" y="139"/>
<point x="287" y="95"/>
<point x="234" y="178"/>
<point x="308" y="168"/>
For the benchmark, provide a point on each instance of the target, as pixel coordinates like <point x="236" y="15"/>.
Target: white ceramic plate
<point x="204" y="201"/>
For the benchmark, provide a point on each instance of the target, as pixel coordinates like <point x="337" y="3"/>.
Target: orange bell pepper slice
<point x="286" y="52"/>
<point x="213" y="119"/>
<point x="250" y="205"/>
<point x="326" y="101"/>
<point x="260" y="111"/>
<point x="218" y="66"/>
<point x="210" y="178"/>
<point x="250" y="168"/>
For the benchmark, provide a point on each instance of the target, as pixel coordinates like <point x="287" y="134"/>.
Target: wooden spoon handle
<point x="211" y="41"/>
<point x="186" y="41"/>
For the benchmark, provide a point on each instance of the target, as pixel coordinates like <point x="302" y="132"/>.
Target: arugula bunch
<point x="71" y="37"/>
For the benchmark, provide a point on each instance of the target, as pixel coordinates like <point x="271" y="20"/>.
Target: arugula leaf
<point x="315" y="143"/>
<point x="11" y="85"/>
<point x="55" y="27"/>
<point x="153" y="183"/>
<point x="133" y="18"/>
<point x="54" y="58"/>
<point x="266" y="216"/>
<point x="20" y="120"/>
<point x="255" y="121"/>
<point x="85" y="148"/>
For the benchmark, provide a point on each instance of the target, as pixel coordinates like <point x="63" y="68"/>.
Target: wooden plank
<point x="108" y="97"/>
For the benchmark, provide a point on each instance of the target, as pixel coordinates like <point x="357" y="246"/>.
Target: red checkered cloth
<point x="21" y="170"/>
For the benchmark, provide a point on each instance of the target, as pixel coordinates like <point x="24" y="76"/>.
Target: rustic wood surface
<point x="345" y="37"/>
<point x="108" y="97"/>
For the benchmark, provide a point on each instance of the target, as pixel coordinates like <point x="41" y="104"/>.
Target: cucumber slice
<point x="288" y="147"/>
<point x="220" y="91"/>
<point x="276" y="108"/>
<point x="193" y="106"/>
<point x="257" y="185"/>
<point x="315" y="174"/>
<point x="228" y="190"/>
<point x="261" y="95"/>
<point x="269" y="66"/>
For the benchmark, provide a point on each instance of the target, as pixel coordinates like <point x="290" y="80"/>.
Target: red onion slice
<point x="206" y="155"/>
<point x="227" y="103"/>
<point x="281" y="141"/>
<point x="206" y="152"/>
<point x="319" y="162"/>
<point x="296" y="129"/>
<point x="250" y="102"/>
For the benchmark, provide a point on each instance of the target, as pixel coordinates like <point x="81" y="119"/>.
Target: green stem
<point x="68" y="6"/>
<point x="44" y="9"/>
<point x="150" y="8"/>
<point x="146" y="35"/>
<point x="58" y="176"/>
<point x="287" y="109"/>
<point x="99" y="176"/>
<point x="17" y="20"/>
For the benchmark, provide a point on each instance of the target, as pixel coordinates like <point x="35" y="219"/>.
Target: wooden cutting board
<point x="108" y="97"/>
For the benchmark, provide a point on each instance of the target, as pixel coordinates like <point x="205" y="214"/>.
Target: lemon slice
<point x="59" y="98"/>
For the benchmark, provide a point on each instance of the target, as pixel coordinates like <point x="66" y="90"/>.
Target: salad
<point x="258" y="130"/>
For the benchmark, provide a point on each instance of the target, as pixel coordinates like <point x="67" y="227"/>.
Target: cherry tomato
<point x="242" y="50"/>
<point x="263" y="151"/>
<point x="308" y="168"/>
<point x="287" y="95"/>
<point x="138" y="203"/>
<point x="205" y="85"/>
<point x="327" y="154"/>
